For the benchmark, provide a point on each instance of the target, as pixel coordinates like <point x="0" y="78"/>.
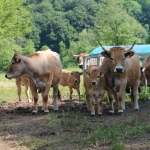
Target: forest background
<point x="70" y="26"/>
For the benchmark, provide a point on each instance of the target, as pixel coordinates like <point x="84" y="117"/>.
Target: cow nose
<point x="119" y="69"/>
<point x="81" y="66"/>
<point x="93" y="83"/>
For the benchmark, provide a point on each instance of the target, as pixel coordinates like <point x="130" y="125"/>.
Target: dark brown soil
<point x="20" y="130"/>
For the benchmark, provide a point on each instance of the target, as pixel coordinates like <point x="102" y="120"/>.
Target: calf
<point x="25" y="82"/>
<point x="95" y="84"/>
<point x="44" y="70"/>
<point x="72" y="80"/>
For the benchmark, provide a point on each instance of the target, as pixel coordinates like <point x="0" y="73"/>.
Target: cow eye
<point x="12" y="63"/>
<point x="111" y="58"/>
<point x="98" y="76"/>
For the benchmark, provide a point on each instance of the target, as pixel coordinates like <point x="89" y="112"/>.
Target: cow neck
<point x="30" y="69"/>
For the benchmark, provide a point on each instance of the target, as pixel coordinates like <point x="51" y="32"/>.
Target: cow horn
<point x="74" y="55"/>
<point x="131" y="47"/>
<point x="143" y="69"/>
<point x="102" y="47"/>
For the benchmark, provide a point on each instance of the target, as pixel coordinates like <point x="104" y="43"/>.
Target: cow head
<point x="15" y="68"/>
<point x="145" y="75"/>
<point x="117" y="55"/>
<point x="95" y="73"/>
<point x="79" y="58"/>
<point x="76" y="76"/>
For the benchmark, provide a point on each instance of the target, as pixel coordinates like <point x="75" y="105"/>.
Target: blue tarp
<point x="139" y="49"/>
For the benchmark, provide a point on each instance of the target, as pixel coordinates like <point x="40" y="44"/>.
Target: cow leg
<point x="121" y="100"/>
<point x="99" y="104"/>
<point x="45" y="106"/>
<point x="78" y="91"/>
<point x="71" y="91"/>
<point x="111" y="98"/>
<point x="18" y="84"/>
<point x="35" y="97"/>
<point x="135" y="97"/>
<point x="55" y="97"/>
<point x="70" y="98"/>
<point x="27" y="93"/>
<point x="92" y="101"/>
<point x="88" y="101"/>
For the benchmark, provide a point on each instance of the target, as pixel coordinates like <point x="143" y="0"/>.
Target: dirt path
<point x="19" y="130"/>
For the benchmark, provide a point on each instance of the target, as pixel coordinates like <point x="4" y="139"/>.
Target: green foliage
<point x="45" y="47"/>
<point x="15" y="18"/>
<point x="114" y="26"/>
<point x="145" y="94"/>
<point x="14" y="22"/>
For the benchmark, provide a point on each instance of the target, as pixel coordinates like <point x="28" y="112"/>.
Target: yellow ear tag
<point x="102" y="75"/>
<point x="87" y="75"/>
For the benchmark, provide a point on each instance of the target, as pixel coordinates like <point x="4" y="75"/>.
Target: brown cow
<point x="25" y="82"/>
<point x="95" y="84"/>
<point x="79" y="58"/>
<point x="145" y="76"/>
<point x="44" y="69"/>
<point x="72" y="80"/>
<point x="122" y="69"/>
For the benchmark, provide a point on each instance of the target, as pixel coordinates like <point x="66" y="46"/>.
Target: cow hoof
<point x="56" y="111"/>
<point x="92" y="115"/>
<point x="111" y="114"/>
<point x="120" y="113"/>
<point x="137" y="110"/>
<point x="99" y="115"/>
<point x="46" y="113"/>
<point x="34" y="113"/>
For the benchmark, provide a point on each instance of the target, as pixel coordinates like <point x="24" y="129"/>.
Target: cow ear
<point x="106" y="54"/>
<point x="86" y="73"/>
<point x="102" y="74"/>
<point x="129" y="54"/>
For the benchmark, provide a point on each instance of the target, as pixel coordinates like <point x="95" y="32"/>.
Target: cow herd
<point x="119" y="71"/>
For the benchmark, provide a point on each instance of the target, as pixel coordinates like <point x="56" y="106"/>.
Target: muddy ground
<point x="68" y="129"/>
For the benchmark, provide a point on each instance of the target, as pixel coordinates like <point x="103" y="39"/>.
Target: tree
<point x="14" y="22"/>
<point x="15" y="18"/>
<point x="113" y="25"/>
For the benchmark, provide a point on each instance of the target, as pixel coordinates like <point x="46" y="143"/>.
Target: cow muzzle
<point x="81" y="66"/>
<point x="93" y="83"/>
<point x="75" y="81"/>
<point x="6" y="76"/>
<point x="119" y="69"/>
